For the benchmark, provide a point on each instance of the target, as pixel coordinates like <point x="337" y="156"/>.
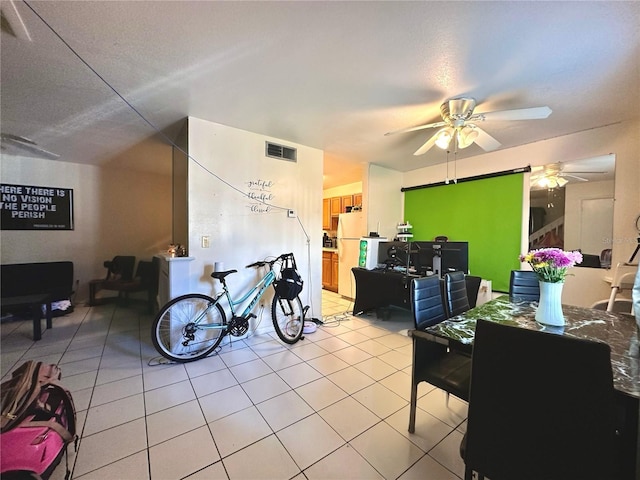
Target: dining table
<point x="618" y="330"/>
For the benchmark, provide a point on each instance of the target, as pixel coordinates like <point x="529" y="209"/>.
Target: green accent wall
<point x="487" y="213"/>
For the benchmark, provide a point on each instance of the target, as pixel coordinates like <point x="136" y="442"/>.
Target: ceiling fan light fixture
<point x="543" y="182"/>
<point x="443" y="138"/>
<point x="466" y="136"/>
<point x="551" y="181"/>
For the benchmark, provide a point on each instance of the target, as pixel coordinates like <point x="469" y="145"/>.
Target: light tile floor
<point x="333" y="406"/>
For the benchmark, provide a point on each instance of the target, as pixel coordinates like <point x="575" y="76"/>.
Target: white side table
<point x="174" y="278"/>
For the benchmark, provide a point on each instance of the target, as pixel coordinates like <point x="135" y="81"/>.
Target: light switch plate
<point x="206" y="241"/>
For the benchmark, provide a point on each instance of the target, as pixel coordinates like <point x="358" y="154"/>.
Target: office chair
<point x="433" y="362"/>
<point x="541" y="406"/>
<point x="456" y="299"/>
<point x="524" y="285"/>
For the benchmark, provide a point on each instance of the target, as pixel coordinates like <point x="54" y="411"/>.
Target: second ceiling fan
<point x="459" y="124"/>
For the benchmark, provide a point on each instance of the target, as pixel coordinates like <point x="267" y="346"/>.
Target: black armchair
<point x="541" y="406"/>
<point x="120" y="278"/>
<point x="119" y="270"/>
<point x="433" y="362"/>
<point x="524" y="285"/>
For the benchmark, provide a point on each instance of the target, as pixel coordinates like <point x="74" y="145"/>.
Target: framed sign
<point x="30" y="207"/>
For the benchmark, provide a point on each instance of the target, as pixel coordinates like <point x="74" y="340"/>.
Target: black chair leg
<point x="412" y="407"/>
<point x="92" y="294"/>
<point x="468" y="474"/>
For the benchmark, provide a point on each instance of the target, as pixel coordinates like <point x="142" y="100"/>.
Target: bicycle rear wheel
<point x="288" y="318"/>
<point x="181" y="331"/>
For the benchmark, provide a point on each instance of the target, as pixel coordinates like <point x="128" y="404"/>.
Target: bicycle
<point x="192" y="326"/>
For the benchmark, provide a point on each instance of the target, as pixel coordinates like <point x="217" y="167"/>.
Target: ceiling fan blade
<point x="419" y="127"/>
<point x="582" y="179"/>
<point x="16" y="145"/>
<point x="486" y="141"/>
<point x="535" y="113"/>
<point x="427" y="145"/>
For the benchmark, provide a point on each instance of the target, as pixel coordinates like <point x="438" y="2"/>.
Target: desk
<point x="377" y="289"/>
<point x="619" y="331"/>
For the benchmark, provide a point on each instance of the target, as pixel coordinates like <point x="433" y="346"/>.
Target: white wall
<point x="382" y="200"/>
<point x="620" y="139"/>
<point x="348" y="189"/>
<point x="598" y="236"/>
<point x="116" y="212"/>
<point x="243" y="231"/>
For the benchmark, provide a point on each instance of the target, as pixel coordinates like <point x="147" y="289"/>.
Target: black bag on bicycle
<point x="289" y="285"/>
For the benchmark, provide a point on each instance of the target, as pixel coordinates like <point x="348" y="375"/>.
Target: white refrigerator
<point x="351" y="227"/>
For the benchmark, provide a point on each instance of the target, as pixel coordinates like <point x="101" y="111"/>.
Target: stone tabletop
<point x="619" y="331"/>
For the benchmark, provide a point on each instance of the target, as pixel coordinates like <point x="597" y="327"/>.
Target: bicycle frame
<point x="264" y="283"/>
<point x="259" y="289"/>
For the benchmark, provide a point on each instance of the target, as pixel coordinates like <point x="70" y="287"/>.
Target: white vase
<point x="549" y="310"/>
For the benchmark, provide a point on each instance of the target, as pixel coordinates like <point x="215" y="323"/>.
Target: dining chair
<point x="456" y="299"/>
<point x="541" y="406"/>
<point x="472" y="284"/>
<point x="524" y="285"/>
<point x="433" y="362"/>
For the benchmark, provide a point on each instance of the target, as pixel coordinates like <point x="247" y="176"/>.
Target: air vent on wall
<point x="274" y="150"/>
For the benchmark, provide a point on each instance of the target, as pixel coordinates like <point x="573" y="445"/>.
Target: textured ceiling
<point x="332" y="75"/>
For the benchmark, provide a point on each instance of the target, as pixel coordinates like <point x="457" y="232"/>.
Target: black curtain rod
<point x="470" y="179"/>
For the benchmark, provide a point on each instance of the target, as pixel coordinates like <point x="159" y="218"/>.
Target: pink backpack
<point x="38" y="422"/>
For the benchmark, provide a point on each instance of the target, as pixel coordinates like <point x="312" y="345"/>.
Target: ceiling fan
<point x="459" y="123"/>
<point x="17" y="145"/>
<point x="552" y="176"/>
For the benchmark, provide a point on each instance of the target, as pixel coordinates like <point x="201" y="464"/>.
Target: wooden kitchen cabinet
<point x="326" y="214"/>
<point x="346" y="201"/>
<point x="336" y="205"/>
<point x="330" y="271"/>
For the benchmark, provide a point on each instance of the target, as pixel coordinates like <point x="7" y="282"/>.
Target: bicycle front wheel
<point x="183" y="330"/>
<point x="288" y="318"/>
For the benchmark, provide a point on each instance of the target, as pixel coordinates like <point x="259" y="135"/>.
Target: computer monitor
<point x="394" y="254"/>
<point x="440" y="257"/>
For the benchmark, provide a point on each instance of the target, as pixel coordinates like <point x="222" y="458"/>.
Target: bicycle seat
<point x="221" y="275"/>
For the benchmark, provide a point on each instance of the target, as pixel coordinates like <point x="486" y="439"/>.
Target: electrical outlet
<point x="291" y="213"/>
<point x="206" y="241"/>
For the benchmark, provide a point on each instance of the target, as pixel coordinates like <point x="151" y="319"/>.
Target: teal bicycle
<point x="191" y="326"/>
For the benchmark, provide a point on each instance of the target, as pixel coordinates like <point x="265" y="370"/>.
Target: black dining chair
<point x="456" y="299"/>
<point x="524" y="285"/>
<point x="541" y="406"/>
<point x="433" y="362"/>
<point x="472" y="284"/>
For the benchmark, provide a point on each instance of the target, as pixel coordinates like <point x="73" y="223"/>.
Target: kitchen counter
<point x="329" y="249"/>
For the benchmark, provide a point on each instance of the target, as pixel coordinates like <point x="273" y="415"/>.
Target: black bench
<point x="33" y="285"/>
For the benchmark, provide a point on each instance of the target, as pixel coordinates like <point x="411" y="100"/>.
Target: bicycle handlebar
<point x="262" y="263"/>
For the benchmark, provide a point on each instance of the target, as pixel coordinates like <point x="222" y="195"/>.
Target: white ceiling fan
<point x="17" y="145"/>
<point x="459" y="123"/>
<point x="552" y="176"/>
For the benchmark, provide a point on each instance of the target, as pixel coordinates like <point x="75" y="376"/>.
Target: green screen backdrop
<point x="487" y="213"/>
